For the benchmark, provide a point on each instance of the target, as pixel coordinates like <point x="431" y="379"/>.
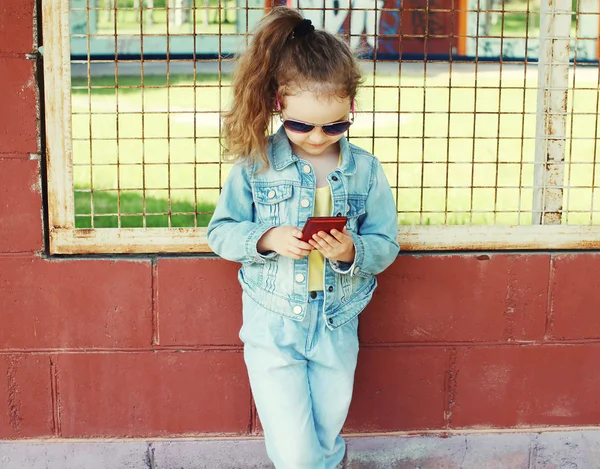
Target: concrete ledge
<point x="565" y="449"/>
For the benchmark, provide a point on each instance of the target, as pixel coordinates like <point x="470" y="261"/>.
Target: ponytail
<point x="286" y="53"/>
<point x="246" y="125"/>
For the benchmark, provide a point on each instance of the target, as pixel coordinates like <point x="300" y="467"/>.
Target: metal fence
<point x="484" y="114"/>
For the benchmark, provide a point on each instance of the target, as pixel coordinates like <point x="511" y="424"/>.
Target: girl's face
<point x="313" y="108"/>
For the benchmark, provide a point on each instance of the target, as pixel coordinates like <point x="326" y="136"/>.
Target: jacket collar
<point x="281" y="154"/>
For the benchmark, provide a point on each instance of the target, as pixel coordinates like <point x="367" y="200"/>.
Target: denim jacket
<point x="253" y="201"/>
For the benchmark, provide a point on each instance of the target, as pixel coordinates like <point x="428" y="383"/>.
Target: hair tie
<point x="303" y="28"/>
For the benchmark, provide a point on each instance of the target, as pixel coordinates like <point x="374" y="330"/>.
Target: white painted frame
<point x="66" y="239"/>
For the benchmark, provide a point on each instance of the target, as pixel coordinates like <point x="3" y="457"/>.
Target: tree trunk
<point x="487" y="22"/>
<point x="138" y="12"/>
<point x="110" y="5"/>
<point x="151" y="12"/>
<point x="205" y="13"/>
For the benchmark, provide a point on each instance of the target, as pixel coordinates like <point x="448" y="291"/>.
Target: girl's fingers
<point x="297" y="252"/>
<point x="337" y="235"/>
<point x="319" y="243"/>
<point x="302" y="252"/>
<point x="303" y="245"/>
<point x="293" y="248"/>
<point x="325" y="239"/>
<point x="292" y="255"/>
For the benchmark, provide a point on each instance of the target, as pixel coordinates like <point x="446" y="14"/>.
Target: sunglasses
<point x="332" y="129"/>
<point x="335" y="128"/>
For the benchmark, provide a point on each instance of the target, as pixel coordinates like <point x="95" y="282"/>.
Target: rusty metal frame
<point x="550" y="149"/>
<point x="64" y="237"/>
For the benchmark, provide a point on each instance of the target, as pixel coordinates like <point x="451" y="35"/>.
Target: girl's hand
<point x="284" y="240"/>
<point x="337" y="246"/>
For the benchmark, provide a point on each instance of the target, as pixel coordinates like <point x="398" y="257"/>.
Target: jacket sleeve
<point x="232" y="232"/>
<point x="375" y="243"/>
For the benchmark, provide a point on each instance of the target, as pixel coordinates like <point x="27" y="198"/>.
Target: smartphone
<point x="315" y="224"/>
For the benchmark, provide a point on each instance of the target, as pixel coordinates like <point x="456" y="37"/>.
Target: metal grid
<point x="145" y="139"/>
<point x="483" y="112"/>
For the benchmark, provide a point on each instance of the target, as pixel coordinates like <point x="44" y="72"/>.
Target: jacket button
<point x="305" y="203"/>
<point x="299" y="278"/>
<point x="334" y="178"/>
<point x="297" y="310"/>
<point x="356" y="269"/>
<point x="306" y="169"/>
<point x="339" y="214"/>
<point x="330" y="320"/>
<point x="330" y="289"/>
<point x="271" y="194"/>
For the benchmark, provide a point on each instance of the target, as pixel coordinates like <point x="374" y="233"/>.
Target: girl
<point x="301" y="300"/>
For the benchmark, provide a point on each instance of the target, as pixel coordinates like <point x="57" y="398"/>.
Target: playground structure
<point x="437" y="29"/>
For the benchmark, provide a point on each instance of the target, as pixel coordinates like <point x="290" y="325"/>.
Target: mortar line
<point x="155" y="324"/>
<point x="549" y="314"/>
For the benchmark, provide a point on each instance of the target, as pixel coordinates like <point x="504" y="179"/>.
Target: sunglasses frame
<point x="313" y="126"/>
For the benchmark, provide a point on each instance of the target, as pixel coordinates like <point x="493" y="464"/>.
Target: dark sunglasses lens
<point x="296" y="126"/>
<point x="336" y="129"/>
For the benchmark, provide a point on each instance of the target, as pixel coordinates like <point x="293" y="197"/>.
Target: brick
<point x="453" y="298"/>
<point x="526" y="386"/>
<point x="493" y="451"/>
<point x="398" y="389"/>
<point x="139" y="394"/>
<point x="20" y="206"/>
<point x="574" y="300"/>
<point x="16" y="26"/>
<point x="561" y="450"/>
<point x="230" y="454"/>
<point x="510" y="451"/>
<point x="199" y="302"/>
<point x="75" y="303"/>
<point x="25" y="396"/>
<point x="404" y="453"/>
<point x="591" y="444"/>
<point x="18" y="119"/>
<point x="74" y="455"/>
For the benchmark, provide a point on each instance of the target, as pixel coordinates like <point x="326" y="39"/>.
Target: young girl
<point x="301" y="300"/>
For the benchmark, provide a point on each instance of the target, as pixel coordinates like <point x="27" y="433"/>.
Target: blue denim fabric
<point x="301" y="374"/>
<point x="253" y="201"/>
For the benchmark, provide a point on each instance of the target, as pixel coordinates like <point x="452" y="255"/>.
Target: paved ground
<point x="548" y="450"/>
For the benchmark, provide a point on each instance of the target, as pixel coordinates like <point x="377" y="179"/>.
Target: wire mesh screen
<point x="581" y="194"/>
<point x="453" y="105"/>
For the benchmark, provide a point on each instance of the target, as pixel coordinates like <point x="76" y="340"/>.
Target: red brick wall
<point x="148" y="346"/>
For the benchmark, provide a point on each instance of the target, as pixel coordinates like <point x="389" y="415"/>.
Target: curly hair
<point x="275" y="64"/>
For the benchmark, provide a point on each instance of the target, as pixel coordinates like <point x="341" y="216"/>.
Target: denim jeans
<point x="301" y="375"/>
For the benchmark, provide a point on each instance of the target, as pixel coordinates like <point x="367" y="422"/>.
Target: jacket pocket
<point x="356" y="208"/>
<point x="272" y="202"/>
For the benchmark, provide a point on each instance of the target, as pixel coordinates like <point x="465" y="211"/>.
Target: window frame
<point x="66" y="239"/>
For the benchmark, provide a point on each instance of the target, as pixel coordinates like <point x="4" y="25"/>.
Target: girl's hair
<point x="276" y="63"/>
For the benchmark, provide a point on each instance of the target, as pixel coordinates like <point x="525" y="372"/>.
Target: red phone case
<point x="315" y="224"/>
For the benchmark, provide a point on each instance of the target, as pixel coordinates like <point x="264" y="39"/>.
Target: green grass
<point x="127" y="21"/>
<point x="440" y="161"/>
<point x="132" y="206"/>
<point x="522" y="19"/>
